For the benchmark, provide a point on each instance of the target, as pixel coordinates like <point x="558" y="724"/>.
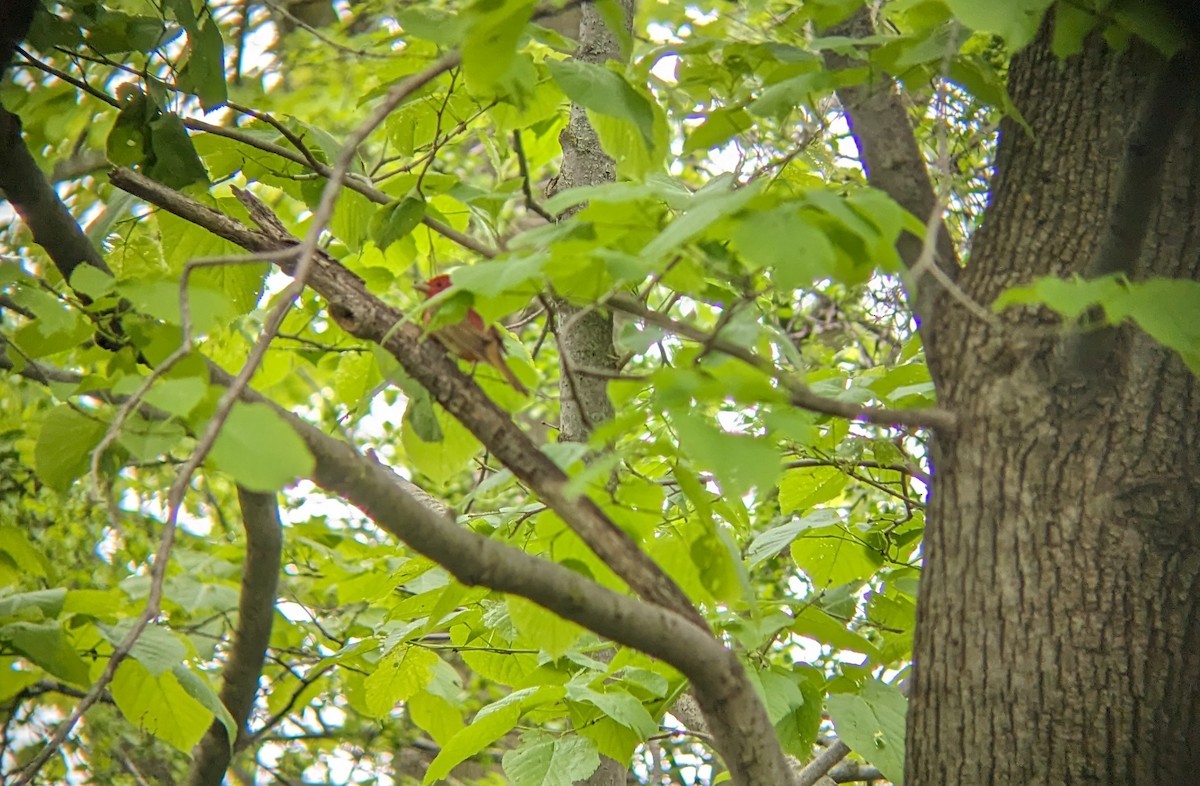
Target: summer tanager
<point x="470" y="339"/>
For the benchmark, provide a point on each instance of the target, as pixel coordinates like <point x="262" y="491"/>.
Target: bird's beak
<point x="421" y="287"/>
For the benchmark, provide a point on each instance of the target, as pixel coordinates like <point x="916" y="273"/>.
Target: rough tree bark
<point x="1059" y="627"/>
<point x="585" y="336"/>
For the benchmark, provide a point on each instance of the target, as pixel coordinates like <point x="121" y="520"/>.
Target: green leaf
<point x="781" y="239"/>
<point x="872" y="724"/>
<point x="700" y="215"/>
<point x="490" y="724"/>
<point x="718" y="563"/>
<point x="45" y="644"/>
<point x="442" y="460"/>
<point x="126" y="144"/>
<point x="156" y="648"/>
<point x="173" y="160"/>
<point x="623" y="142"/>
<point x="544" y="629"/>
<point x="1168" y="310"/>
<point x="177" y="396"/>
<point x="1154" y="23"/>
<point x="603" y="90"/>
<point x="768" y="544"/>
<point x="1017" y="22"/>
<point x="259" y="449"/>
<point x="719" y="127"/>
<point x="204" y="73"/>
<point x="779" y="693"/>
<point x="740" y="461"/>
<point x="803" y="488"/>
<point x="184" y="13"/>
<point x="16" y="543"/>
<point x="202" y="692"/>
<point x="159" y="705"/>
<point x="433" y="24"/>
<point x="241" y="284"/>
<point x="797" y="729"/>
<point x="833" y="557"/>
<point x="115" y="32"/>
<point x="146" y="440"/>
<point x="207" y="308"/>
<point x="551" y="761"/>
<point x="354" y="219"/>
<point x="91" y="281"/>
<point x="489" y="50"/>
<point x="405" y="670"/>
<point x="95" y="602"/>
<point x="435" y="715"/>
<point x="815" y="624"/>
<point x="781" y="98"/>
<point x="618" y="705"/>
<point x="420" y="416"/>
<point x="492" y="278"/>
<point x="14" y="681"/>
<point x="1072" y="24"/>
<point x="397" y="220"/>
<point x="64" y="446"/>
<point x="1069" y="297"/>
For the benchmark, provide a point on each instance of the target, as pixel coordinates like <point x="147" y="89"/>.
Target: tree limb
<point x="585" y="334"/>
<point x="889" y="153"/>
<point x="256" y="611"/>
<point x="820" y="766"/>
<point x="732" y="711"/>
<point x="738" y="721"/>
<point x="35" y="200"/>
<point x="362" y="314"/>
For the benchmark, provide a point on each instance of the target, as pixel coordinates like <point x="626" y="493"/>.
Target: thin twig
<point x="64" y="76"/>
<point x="158" y="570"/>
<point x="526" y="186"/>
<point x="305" y="252"/>
<point x="800" y="394"/>
<point x="905" y="469"/>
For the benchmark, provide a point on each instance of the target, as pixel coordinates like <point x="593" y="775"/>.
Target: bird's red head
<point x="435" y="285"/>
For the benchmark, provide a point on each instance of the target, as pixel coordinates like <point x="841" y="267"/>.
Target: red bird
<point x="470" y="339"/>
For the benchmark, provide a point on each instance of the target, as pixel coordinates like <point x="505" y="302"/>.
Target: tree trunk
<point x="1059" y="640"/>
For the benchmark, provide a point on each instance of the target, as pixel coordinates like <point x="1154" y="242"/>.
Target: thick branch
<point x="820" y="766"/>
<point x="585" y="335"/>
<point x="52" y="225"/>
<point x="362" y="314"/>
<point x="256" y="611"/>
<point x="889" y="153"/>
<point x="739" y="723"/>
<point x="734" y="715"/>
